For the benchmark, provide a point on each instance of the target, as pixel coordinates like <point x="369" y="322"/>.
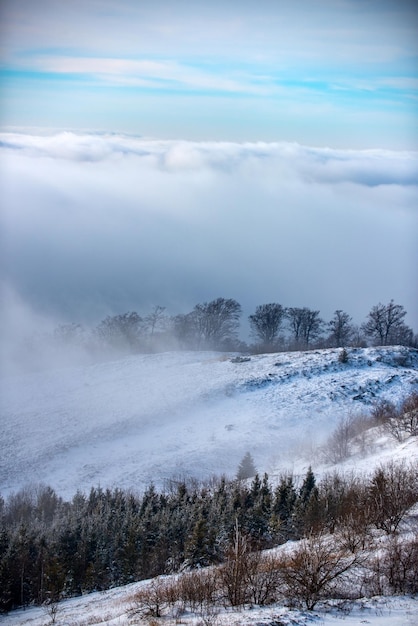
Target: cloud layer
<point x="96" y="224"/>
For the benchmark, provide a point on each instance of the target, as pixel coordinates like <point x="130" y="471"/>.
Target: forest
<point x="51" y="549"/>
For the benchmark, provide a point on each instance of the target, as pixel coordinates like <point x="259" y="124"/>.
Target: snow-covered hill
<point x="154" y="417"/>
<point x="114" y="608"/>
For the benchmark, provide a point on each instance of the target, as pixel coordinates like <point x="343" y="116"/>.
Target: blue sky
<point x="168" y="152"/>
<point x="342" y="73"/>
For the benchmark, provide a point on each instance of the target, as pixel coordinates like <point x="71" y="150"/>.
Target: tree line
<point x="215" y="325"/>
<point x="51" y="548"/>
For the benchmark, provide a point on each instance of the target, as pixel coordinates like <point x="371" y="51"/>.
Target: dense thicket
<point x="51" y="549"/>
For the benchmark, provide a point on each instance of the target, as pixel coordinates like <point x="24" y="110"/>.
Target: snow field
<point x="154" y="417"/>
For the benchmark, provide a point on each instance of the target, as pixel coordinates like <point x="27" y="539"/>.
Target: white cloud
<point x="96" y="223"/>
<point x="146" y="73"/>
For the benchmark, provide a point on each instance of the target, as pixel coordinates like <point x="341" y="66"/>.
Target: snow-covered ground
<point x="114" y="608"/>
<point x="154" y="417"/>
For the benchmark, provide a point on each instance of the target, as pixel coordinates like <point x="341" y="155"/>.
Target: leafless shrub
<point x="263" y="578"/>
<point x="354" y="520"/>
<point x="382" y="411"/>
<point x="395" y="428"/>
<point x="353" y="532"/>
<point x="337" y="447"/>
<point x="311" y="571"/>
<point x="400" y="565"/>
<point x="51" y="608"/>
<point x="403" y="423"/>
<point x="409" y="414"/>
<point x="348" y="436"/>
<point x="208" y="615"/>
<point x="232" y="572"/>
<point x="198" y="589"/>
<point x="392" y="491"/>
<point x="395" y="569"/>
<point x="152" y="599"/>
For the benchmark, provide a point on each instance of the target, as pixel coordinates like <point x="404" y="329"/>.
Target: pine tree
<point x="246" y="468"/>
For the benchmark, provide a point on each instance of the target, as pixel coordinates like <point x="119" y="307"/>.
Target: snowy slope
<point x="153" y="417"/>
<point x="113" y="607"/>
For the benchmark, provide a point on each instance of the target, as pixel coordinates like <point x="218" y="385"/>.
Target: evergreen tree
<point x="246" y="468"/>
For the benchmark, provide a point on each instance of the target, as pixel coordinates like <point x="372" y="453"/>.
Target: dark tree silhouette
<point x="384" y="322"/>
<point x="340" y="328"/>
<point x="246" y="468"/>
<point x="305" y="324"/>
<point x="266" y="322"/>
<point x="216" y="322"/>
<point x="121" y="331"/>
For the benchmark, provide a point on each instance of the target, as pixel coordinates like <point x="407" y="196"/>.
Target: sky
<point x="339" y="73"/>
<point x="167" y="153"/>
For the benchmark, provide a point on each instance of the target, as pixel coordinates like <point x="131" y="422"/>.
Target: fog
<point x="99" y="224"/>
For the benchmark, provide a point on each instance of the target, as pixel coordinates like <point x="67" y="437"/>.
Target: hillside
<point x="191" y="414"/>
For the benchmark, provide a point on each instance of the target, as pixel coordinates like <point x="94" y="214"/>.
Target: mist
<point x="99" y="224"/>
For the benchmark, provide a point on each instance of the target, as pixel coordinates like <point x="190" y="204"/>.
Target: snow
<point x="156" y="417"/>
<point x="114" y="607"/>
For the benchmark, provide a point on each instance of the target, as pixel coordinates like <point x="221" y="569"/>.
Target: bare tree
<point x="233" y="573"/>
<point x="152" y="599"/>
<point x="392" y="491"/>
<point x="402" y="422"/>
<point x="217" y="322"/>
<point x="155" y="319"/>
<point x="338" y="445"/>
<point x="184" y="328"/>
<point x="121" y="331"/>
<point x="266" y="322"/>
<point x="340" y="328"/>
<point x="305" y="324"/>
<point x="311" y="570"/>
<point x="384" y="322"/>
<point x="409" y="414"/>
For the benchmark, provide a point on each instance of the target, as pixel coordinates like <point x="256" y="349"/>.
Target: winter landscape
<point x="153" y="417"/>
<point x="186" y="418"/>
<point x="208" y="313"/>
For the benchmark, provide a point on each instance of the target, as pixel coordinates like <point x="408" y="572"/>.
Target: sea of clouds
<point x="95" y="224"/>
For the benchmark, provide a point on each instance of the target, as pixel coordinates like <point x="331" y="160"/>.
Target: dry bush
<point x="395" y="428"/>
<point x="409" y="414"/>
<point x="393" y="490"/>
<point x="402" y="423"/>
<point x="232" y="573"/>
<point x="253" y="578"/>
<point x="337" y="447"/>
<point x="263" y="578"/>
<point x="349" y="435"/>
<point x="400" y="565"/>
<point x="198" y="589"/>
<point x="208" y="615"/>
<point x="51" y="608"/>
<point x="151" y="600"/>
<point x="394" y="570"/>
<point x="311" y="572"/>
<point x="383" y="411"/>
<point x="354" y="521"/>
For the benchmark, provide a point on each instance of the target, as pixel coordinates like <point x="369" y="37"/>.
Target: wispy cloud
<point x="280" y="60"/>
<point x="146" y="73"/>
